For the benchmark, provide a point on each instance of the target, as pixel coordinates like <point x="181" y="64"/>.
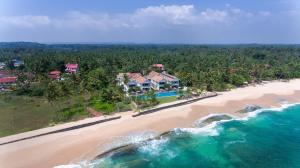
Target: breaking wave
<point x="151" y="143"/>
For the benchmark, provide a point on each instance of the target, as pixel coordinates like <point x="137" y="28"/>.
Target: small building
<point x="71" y="68"/>
<point x="7" y="81"/>
<point x="159" y="66"/>
<point x="17" y="63"/>
<point x="54" y="75"/>
<point x="2" y="65"/>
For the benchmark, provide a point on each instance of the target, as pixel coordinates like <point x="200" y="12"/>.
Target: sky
<point x="155" y="21"/>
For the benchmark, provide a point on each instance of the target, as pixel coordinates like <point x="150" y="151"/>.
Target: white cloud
<point x="174" y="14"/>
<point x="78" y="20"/>
<point x="210" y="15"/>
<point x="264" y="13"/>
<point x="151" y="16"/>
<point x="27" y="21"/>
<point x="153" y="23"/>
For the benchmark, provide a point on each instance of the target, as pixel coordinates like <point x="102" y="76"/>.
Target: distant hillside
<point x="91" y="46"/>
<point x="21" y="45"/>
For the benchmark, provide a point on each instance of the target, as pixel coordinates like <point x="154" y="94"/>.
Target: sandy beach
<point x="86" y="143"/>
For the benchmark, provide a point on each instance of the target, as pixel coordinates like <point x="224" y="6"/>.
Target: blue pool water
<point x="161" y="94"/>
<point x="166" y="94"/>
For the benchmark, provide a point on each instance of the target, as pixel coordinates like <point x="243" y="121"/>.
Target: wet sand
<point x="86" y="143"/>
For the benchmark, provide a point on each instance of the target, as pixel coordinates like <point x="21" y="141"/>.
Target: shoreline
<point x="86" y="143"/>
<point x="204" y="120"/>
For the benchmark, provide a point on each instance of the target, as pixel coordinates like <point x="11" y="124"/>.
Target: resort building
<point x="54" y="75"/>
<point x="159" y="80"/>
<point x="71" y="68"/>
<point x="131" y="80"/>
<point x="171" y="80"/>
<point x="154" y="80"/>
<point x="7" y="81"/>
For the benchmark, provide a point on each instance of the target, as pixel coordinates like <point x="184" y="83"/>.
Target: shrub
<point x="71" y="113"/>
<point x="105" y="108"/>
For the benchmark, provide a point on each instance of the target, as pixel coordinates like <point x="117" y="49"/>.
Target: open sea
<point x="267" y="138"/>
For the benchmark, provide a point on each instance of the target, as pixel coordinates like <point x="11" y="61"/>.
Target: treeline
<point x="211" y="68"/>
<point x="196" y="66"/>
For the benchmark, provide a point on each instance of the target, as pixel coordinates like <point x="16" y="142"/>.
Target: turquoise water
<point x="269" y="140"/>
<point x="166" y="94"/>
<point x="162" y="94"/>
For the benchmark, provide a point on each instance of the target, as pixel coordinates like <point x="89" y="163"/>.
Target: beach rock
<point x="250" y="108"/>
<point x="212" y="119"/>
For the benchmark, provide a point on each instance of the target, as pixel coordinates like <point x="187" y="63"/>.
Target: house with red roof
<point x="71" y="68"/>
<point x="133" y="80"/>
<point x="154" y="80"/>
<point x="54" y="75"/>
<point x="159" y="66"/>
<point x="158" y="80"/>
<point x="173" y="81"/>
<point x="7" y="81"/>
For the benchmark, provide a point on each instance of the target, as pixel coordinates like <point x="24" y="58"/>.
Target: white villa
<point x="158" y="80"/>
<point x="154" y="80"/>
<point x="134" y="80"/>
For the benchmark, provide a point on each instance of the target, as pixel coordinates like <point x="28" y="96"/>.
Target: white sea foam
<point x="154" y="146"/>
<point x="68" y="166"/>
<point x="234" y="142"/>
<point x="282" y="107"/>
<point x="134" y="138"/>
<point x="210" y="129"/>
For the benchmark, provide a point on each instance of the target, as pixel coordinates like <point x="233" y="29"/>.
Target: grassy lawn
<point x="167" y="99"/>
<point x="109" y="108"/>
<point x="22" y="113"/>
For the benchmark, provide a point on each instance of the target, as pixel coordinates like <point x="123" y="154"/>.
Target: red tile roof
<point x="7" y="72"/>
<point x="133" y="75"/>
<point x="12" y="79"/>
<point x="72" y="66"/>
<point x="158" y="65"/>
<point x="168" y="77"/>
<point x="54" y="73"/>
<point x="138" y="77"/>
<point x="157" y="77"/>
<point x="152" y="74"/>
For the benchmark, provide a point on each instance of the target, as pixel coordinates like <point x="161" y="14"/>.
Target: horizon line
<point x="148" y="43"/>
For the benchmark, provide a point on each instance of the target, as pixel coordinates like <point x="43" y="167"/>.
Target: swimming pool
<point x="166" y="94"/>
<point x="161" y="94"/>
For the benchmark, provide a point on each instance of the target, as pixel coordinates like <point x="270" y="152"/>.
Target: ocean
<point x="267" y="138"/>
